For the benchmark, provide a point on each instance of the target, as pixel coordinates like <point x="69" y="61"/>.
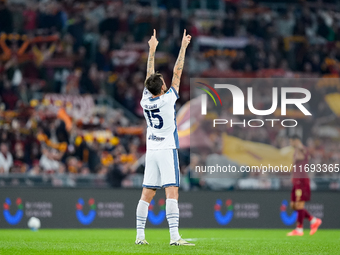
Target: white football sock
<point x="299" y="229"/>
<point x="172" y="215"/>
<point x="141" y="215"/>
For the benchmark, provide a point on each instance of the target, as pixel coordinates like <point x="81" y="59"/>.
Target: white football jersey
<point x="160" y="116"/>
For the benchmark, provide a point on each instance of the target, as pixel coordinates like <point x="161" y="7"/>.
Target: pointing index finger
<point x="184" y="33"/>
<point x="154" y="32"/>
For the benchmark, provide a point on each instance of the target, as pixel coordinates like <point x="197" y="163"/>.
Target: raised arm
<point x="176" y="78"/>
<point x="151" y="59"/>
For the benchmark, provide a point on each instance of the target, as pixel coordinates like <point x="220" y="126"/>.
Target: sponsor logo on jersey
<point x="156" y="138"/>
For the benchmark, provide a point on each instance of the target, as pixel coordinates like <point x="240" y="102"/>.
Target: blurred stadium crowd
<point x="55" y="53"/>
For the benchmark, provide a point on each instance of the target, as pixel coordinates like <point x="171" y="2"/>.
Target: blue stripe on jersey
<point x="176" y="138"/>
<point x="174" y="151"/>
<point x="174" y="90"/>
<point x="175" y="131"/>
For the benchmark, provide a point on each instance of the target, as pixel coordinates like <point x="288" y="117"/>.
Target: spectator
<point x="6" y="159"/>
<point x="30" y="17"/>
<point x="35" y="170"/>
<point x="6" y="20"/>
<point x="72" y="165"/>
<point x="48" y="161"/>
<point x="77" y="29"/>
<point x="285" y="24"/>
<point x="9" y="95"/>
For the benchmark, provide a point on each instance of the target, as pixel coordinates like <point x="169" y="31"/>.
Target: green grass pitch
<point x="208" y="241"/>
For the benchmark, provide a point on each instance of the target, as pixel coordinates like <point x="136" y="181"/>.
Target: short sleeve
<point x="172" y="95"/>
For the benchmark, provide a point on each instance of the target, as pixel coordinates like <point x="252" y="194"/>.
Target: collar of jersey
<point x="155" y="98"/>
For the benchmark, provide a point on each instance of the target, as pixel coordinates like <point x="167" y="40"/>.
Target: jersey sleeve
<point x="172" y="95"/>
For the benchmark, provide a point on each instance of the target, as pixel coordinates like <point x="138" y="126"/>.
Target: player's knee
<point x="299" y="205"/>
<point x="292" y="205"/>
<point x="148" y="194"/>
<point x="172" y="193"/>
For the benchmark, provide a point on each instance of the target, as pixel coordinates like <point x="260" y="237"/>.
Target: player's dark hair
<point x="295" y="136"/>
<point x="154" y="83"/>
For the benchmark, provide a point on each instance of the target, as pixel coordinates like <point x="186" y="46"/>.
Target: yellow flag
<point x="333" y="100"/>
<point x="254" y="154"/>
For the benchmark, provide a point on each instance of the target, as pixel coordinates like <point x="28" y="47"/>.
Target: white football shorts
<point x="161" y="169"/>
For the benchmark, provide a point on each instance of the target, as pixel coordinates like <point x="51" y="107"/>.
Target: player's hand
<point x="153" y="41"/>
<point x="186" y="39"/>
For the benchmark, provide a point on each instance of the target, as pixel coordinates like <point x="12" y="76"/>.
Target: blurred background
<point x="72" y="74"/>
